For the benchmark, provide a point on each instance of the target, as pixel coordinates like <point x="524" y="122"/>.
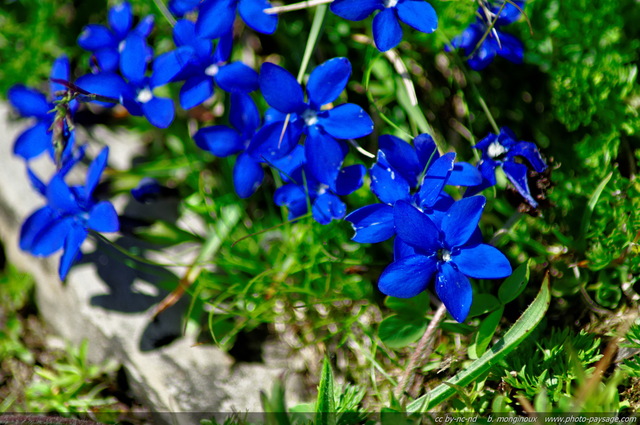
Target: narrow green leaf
<point x="514" y="284"/>
<point x="326" y="403"/>
<point x="410" y="307"/>
<point x="483" y="304"/>
<point x="486" y="330"/>
<point x="588" y="212"/>
<point x="514" y="336"/>
<point x="165" y="233"/>
<point x="399" y="331"/>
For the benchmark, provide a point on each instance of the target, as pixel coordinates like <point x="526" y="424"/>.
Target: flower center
<point x="495" y="149"/>
<point x="390" y="3"/>
<point x="144" y="95"/>
<point x="322" y="189"/>
<point x="444" y="255"/>
<point x="310" y="117"/>
<point x="212" y="70"/>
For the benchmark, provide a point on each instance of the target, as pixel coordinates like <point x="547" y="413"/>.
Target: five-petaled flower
<point x="482" y="43"/>
<point x="387" y="32"/>
<point x="503" y="150"/>
<point x="446" y="253"/>
<point x="70" y="213"/>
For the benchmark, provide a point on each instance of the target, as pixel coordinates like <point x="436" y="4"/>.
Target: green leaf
<point x="485" y="333"/>
<point x="514" y="284"/>
<point x="399" y="331"/>
<point x="411" y="307"/>
<point x="588" y="212"/>
<point x="275" y="407"/>
<point x="483" y="304"/>
<point x="326" y="403"/>
<point x="165" y="233"/>
<point x="511" y="339"/>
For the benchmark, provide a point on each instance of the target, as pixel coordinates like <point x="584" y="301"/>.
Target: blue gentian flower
<point x="503" y="150"/>
<point x="106" y="43"/>
<point x="446" y="253"/>
<point x="194" y="63"/>
<point x="181" y="7"/>
<point x="496" y="43"/>
<point x="302" y="188"/>
<point x="415" y="175"/>
<point x="71" y="211"/>
<point x="136" y="94"/>
<point x="387" y="32"/>
<point x="216" y="17"/>
<point x="324" y="128"/>
<point x="223" y="141"/>
<point x="34" y="104"/>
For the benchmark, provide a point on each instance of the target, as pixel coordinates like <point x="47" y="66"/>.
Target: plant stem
<point x="165" y="12"/>
<point x="314" y="34"/>
<point x="423" y="350"/>
<point x="295" y="6"/>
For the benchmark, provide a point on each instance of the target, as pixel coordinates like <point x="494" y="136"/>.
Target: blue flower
<point x="181" y="7"/>
<point x="446" y="253"/>
<point x="71" y="211"/>
<point x="106" y="43"/>
<point x="302" y="189"/>
<point x="324" y="152"/>
<point x="136" y="94"/>
<point x="387" y="32"/>
<point x="216" y="17"/>
<point x="503" y="150"/>
<point x="481" y="53"/>
<point x="194" y="63"/>
<point x="33" y="104"/>
<point x="415" y="175"/>
<point x="223" y="141"/>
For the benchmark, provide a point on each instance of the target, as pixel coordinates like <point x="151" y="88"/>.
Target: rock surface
<point x="109" y="304"/>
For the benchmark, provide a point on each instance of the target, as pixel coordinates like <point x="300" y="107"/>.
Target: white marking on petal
<point x="495" y="149"/>
<point x="144" y="95"/>
<point x="212" y="70"/>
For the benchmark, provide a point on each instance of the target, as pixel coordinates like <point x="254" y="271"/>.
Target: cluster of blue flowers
<point x="304" y="136"/>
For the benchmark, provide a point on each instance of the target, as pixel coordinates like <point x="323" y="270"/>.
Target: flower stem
<point x="165" y="12"/>
<point x="314" y="34"/>
<point x="296" y="6"/>
<point x="423" y="350"/>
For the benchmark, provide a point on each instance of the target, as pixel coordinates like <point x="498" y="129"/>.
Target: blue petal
<point x="280" y="89"/>
<point x="402" y="157"/>
<point x="181" y="7"/>
<point x="252" y="12"/>
<point x="355" y="10"/>
<point x="482" y="262"/>
<point x="34" y="224"/>
<point x="215" y="18"/>
<point x="349" y="179"/>
<point x="104" y="84"/>
<point x="461" y="220"/>
<point x="407" y="277"/>
<point x="37" y="184"/>
<point x="347" y="121"/>
<point x="328" y="207"/>
<point x="435" y="179"/>
<point x="291" y="165"/>
<point x="415" y="228"/>
<point x="484" y="54"/>
<point x="133" y="62"/>
<point x="103" y="218"/>
<point x="324" y="156"/>
<point x="51" y="237"/>
<point x="60" y="197"/>
<point x="511" y="48"/>
<point x="270" y="143"/>
<point x="33" y="141"/>
<point x="387" y="184"/>
<point x="372" y="223"/>
<point x="273" y="115"/>
<point x="108" y="59"/>
<point x="94" y="37"/>
<point x="29" y="102"/>
<point x="237" y="78"/>
<point x="95" y="172"/>
<point x="327" y="81"/>
<point x="159" y="111"/>
<point x="402" y="249"/>
<point x="418" y="14"/>
<point x="120" y="19"/>
<point x="145" y="26"/>
<point x="426" y="149"/>
<point x="454" y="290"/>
<point x="464" y="174"/>
<point x="196" y="90"/>
<point x="169" y="65"/>
<point x="247" y="175"/>
<point x="293" y="197"/>
<point x="60" y="71"/>
<point x="517" y="175"/>
<point x="386" y="30"/>
<point x="220" y="140"/>
<point x="529" y="151"/>
<point x="184" y="33"/>
<point x="76" y="235"/>
<point x="244" y="114"/>
<point x="510" y="13"/>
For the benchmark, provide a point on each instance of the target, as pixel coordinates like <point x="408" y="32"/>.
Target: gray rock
<point x="109" y="304"/>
